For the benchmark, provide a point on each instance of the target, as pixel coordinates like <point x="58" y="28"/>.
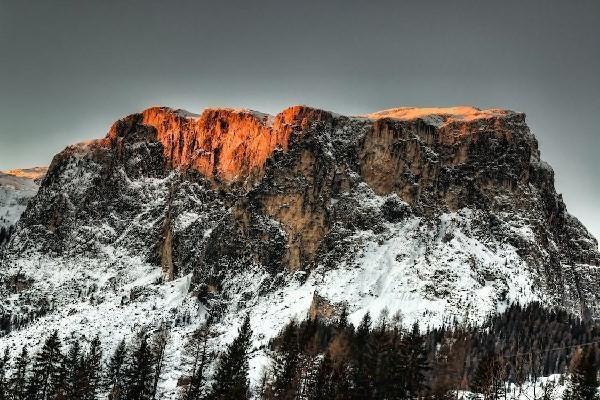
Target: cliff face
<point x="428" y="211"/>
<point x="277" y="180"/>
<point x="224" y="145"/>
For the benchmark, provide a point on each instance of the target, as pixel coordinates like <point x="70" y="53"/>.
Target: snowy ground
<point x="428" y="271"/>
<point x="427" y="275"/>
<point x="548" y="387"/>
<point x="15" y="191"/>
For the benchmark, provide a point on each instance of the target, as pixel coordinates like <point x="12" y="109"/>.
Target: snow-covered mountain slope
<point x="17" y="186"/>
<point x="439" y="214"/>
<point x="35" y="173"/>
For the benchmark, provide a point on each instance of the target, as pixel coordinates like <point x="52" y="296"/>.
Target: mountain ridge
<point x="17" y="186"/>
<point x="173" y="216"/>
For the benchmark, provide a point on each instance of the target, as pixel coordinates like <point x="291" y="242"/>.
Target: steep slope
<point x="17" y="186"/>
<point x="437" y="213"/>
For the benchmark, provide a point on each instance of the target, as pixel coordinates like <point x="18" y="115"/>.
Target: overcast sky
<point x="68" y="69"/>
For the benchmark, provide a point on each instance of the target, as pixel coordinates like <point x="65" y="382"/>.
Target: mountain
<point x="34" y="173"/>
<point x="17" y="186"/>
<point x="439" y="213"/>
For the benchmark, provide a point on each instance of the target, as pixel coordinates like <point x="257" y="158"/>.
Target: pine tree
<point x="323" y="387"/>
<point x="47" y="380"/>
<point x="361" y="349"/>
<point x="449" y="365"/>
<point x="378" y="356"/>
<point x="415" y="357"/>
<point x="158" y="349"/>
<point x="583" y="381"/>
<point x="18" y="380"/>
<point x="231" y="377"/>
<point x="201" y="358"/>
<point x="4" y="387"/>
<point x="342" y="322"/>
<point x="73" y="373"/>
<point x="285" y="365"/>
<point x="392" y="376"/>
<point x="139" y="375"/>
<point x="487" y="379"/>
<point x="115" y="372"/>
<point x="92" y="371"/>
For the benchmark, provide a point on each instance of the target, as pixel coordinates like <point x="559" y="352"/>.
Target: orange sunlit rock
<point x="231" y="145"/>
<point x="447" y="114"/>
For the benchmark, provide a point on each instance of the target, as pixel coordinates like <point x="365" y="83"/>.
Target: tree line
<point x="131" y="372"/>
<point x="325" y="359"/>
<point x="317" y="359"/>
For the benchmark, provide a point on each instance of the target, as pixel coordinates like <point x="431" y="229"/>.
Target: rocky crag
<point x="439" y="213"/>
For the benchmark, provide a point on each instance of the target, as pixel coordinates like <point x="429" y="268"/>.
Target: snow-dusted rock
<point x="17" y="186"/>
<point x="437" y="213"/>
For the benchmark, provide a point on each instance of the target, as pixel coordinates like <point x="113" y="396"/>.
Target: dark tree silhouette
<point x="47" y="380"/>
<point x="201" y="359"/>
<point x="139" y="374"/>
<point x="583" y="380"/>
<point x="18" y="380"/>
<point x="115" y="373"/>
<point x="231" y="377"/>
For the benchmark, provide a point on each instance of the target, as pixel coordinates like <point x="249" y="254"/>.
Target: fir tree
<point x="415" y="357"/>
<point x="285" y="364"/>
<point x="47" y="380"/>
<point x="231" y="377"/>
<point x="139" y="375"/>
<point x="379" y="354"/>
<point x="158" y="350"/>
<point x="342" y="322"/>
<point x="487" y="379"/>
<point x="361" y="350"/>
<point x="92" y="371"/>
<point x="201" y="358"/>
<point x="4" y="387"/>
<point x="449" y="365"/>
<point x="583" y="380"/>
<point x="115" y="372"/>
<point x="393" y="373"/>
<point x="73" y="372"/>
<point x="323" y="387"/>
<point x="18" y="380"/>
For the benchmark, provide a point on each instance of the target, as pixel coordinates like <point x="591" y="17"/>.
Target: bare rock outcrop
<point x="229" y="188"/>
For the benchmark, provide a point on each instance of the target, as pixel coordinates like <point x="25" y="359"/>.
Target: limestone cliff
<point x="308" y="192"/>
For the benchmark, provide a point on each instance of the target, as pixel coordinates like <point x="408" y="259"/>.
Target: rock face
<point x="435" y="212"/>
<point x="289" y="169"/>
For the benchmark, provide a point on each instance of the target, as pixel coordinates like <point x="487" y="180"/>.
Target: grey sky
<point x="68" y="69"/>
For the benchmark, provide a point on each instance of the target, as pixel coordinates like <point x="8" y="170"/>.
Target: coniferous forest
<point x="318" y="359"/>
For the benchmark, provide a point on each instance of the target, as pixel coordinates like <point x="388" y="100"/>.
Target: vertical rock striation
<point x="228" y="189"/>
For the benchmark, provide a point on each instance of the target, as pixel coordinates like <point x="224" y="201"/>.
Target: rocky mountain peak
<point x="439" y="213"/>
<point x="233" y="144"/>
<point x="436" y="213"/>
<point x="290" y="167"/>
<point x="34" y="173"/>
